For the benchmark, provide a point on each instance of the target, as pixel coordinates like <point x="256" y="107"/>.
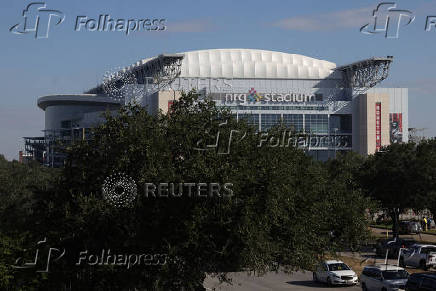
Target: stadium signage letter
<point x="270" y="97"/>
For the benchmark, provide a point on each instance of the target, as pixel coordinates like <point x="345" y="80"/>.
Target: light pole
<point x="335" y="130"/>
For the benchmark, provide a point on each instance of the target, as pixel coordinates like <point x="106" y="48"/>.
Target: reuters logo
<point x="119" y="190"/>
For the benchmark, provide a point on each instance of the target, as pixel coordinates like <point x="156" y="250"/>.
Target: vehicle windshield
<point x="338" y="267"/>
<point x="392" y="275"/>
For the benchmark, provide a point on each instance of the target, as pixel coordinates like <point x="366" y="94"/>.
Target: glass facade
<point x="305" y="108"/>
<point x="323" y="133"/>
<point x="294" y="121"/>
<point x="252" y="119"/>
<point x="317" y="123"/>
<point x="269" y="120"/>
<point x="343" y="123"/>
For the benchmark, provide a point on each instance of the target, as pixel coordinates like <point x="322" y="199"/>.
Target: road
<point x="271" y="282"/>
<point x="418" y="237"/>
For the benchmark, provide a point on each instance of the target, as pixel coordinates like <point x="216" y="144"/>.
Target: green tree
<point x="390" y="176"/>
<point x="283" y="211"/>
<point x="18" y="183"/>
<point x="426" y="175"/>
<point x="348" y="199"/>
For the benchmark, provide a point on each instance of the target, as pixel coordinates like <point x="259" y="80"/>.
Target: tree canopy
<point x="285" y="209"/>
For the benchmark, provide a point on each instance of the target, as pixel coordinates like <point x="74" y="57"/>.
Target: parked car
<point x="383" y="277"/>
<point x="420" y="256"/>
<point x="393" y="246"/>
<point x="421" y="282"/>
<point x="335" y="272"/>
<point x="408" y="227"/>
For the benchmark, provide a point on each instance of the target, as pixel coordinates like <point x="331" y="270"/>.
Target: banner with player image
<point x="396" y="127"/>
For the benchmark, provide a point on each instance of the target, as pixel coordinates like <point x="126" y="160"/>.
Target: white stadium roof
<point x="251" y="64"/>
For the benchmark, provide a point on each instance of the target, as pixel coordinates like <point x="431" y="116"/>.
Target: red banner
<point x="377" y="126"/>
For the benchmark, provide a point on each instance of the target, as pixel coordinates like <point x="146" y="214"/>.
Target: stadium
<point x="339" y="107"/>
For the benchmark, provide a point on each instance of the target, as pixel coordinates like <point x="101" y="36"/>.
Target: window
<point x="395" y="275"/>
<point x="252" y="119"/>
<point x="377" y="274"/>
<point x="427" y="250"/>
<point x="317" y="123"/>
<point x="428" y="284"/>
<point x="338" y="267"/>
<point x="294" y="121"/>
<point x="413" y="281"/>
<point x="269" y="120"/>
<point x="369" y="272"/>
<point x="66" y="124"/>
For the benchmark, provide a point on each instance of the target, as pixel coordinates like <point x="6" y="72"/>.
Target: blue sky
<point x="72" y="61"/>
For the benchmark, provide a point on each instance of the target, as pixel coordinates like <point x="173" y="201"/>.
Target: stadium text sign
<point x="255" y="97"/>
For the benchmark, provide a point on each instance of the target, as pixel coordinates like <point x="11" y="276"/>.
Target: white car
<point x="383" y="277"/>
<point x="335" y="272"/>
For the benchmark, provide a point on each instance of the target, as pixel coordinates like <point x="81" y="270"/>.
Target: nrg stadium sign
<point x="254" y="97"/>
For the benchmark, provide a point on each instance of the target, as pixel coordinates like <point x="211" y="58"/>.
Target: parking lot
<point x="242" y="281"/>
<point x="272" y="281"/>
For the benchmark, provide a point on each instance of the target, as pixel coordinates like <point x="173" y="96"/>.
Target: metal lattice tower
<point x="155" y="74"/>
<point x="160" y="71"/>
<point x="363" y="75"/>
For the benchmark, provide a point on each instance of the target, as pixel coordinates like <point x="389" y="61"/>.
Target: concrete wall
<point x="398" y="103"/>
<point x="159" y="101"/>
<point x="364" y="122"/>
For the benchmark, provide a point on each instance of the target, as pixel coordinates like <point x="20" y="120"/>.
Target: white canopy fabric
<point x="252" y="64"/>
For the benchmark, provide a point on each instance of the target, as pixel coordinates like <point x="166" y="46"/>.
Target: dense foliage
<point x="401" y="176"/>
<point x="286" y="210"/>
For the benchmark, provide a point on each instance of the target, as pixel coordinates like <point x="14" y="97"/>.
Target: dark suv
<point x="421" y="282"/>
